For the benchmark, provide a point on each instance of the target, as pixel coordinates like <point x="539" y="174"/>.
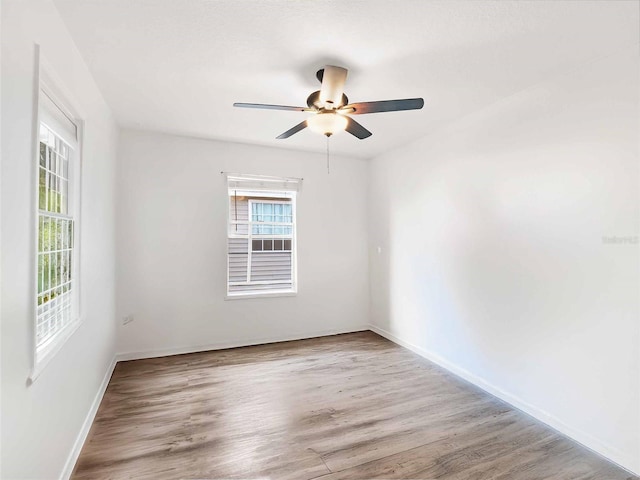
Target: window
<point x="56" y="232"/>
<point x="261" y="236"/>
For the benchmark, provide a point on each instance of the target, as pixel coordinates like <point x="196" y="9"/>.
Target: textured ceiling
<point x="177" y="66"/>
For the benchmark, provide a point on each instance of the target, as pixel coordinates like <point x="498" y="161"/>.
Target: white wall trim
<point x="88" y="421"/>
<point x="626" y="462"/>
<point x="125" y="356"/>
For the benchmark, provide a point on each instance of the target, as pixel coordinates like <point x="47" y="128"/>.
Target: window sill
<point x="274" y="294"/>
<point x="43" y="357"/>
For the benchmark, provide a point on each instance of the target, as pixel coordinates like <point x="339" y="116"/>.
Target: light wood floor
<point x="351" y="406"/>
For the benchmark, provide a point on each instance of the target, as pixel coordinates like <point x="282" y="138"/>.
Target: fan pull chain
<point x="328" y="155"/>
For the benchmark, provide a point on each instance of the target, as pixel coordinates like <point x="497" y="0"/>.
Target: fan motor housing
<point x="313" y="101"/>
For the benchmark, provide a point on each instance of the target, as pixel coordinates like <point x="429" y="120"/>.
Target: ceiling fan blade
<point x="385" y="106"/>
<point x="291" y="131"/>
<point x="272" y="107"/>
<point x="333" y="79"/>
<point x="357" y="130"/>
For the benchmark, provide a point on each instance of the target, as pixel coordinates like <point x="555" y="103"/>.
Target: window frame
<point x="276" y="194"/>
<point x="45" y="85"/>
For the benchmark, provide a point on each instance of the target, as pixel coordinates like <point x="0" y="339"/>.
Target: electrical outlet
<point x="127" y="319"/>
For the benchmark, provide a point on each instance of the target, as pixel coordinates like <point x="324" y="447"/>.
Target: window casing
<point x="57" y="208"/>
<point x="261" y="242"/>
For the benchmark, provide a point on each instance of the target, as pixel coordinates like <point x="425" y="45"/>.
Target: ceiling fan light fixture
<point x="327" y="123"/>
<point x="330" y="107"/>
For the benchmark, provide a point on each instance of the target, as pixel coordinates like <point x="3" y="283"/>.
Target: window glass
<point x="55" y="256"/>
<point x="261" y="257"/>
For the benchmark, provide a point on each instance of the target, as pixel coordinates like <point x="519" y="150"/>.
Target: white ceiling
<point x="177" y="66"/>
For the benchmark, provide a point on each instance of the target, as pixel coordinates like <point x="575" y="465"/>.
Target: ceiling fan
<point x="330" y="107"/>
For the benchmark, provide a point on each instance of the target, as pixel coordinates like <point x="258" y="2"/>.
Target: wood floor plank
<point x="350" y="406"/>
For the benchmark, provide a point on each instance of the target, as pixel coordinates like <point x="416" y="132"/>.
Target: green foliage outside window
<point x="55" y="232"/>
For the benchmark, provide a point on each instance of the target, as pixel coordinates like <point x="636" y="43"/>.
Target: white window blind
<point x="261" y="235"/>
<point x="56" y="282"/>
<point x="263" y="183"/>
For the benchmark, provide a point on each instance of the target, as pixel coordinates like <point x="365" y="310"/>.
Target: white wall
<point x="493" y="261"/>
<point x="172" y="216"/>
<point x="40" y="422"/>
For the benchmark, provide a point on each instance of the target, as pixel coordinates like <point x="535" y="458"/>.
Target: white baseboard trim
<point x="125" y="356"/>
<point x="626" y="462"/>
<point x="86" y="426"/>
